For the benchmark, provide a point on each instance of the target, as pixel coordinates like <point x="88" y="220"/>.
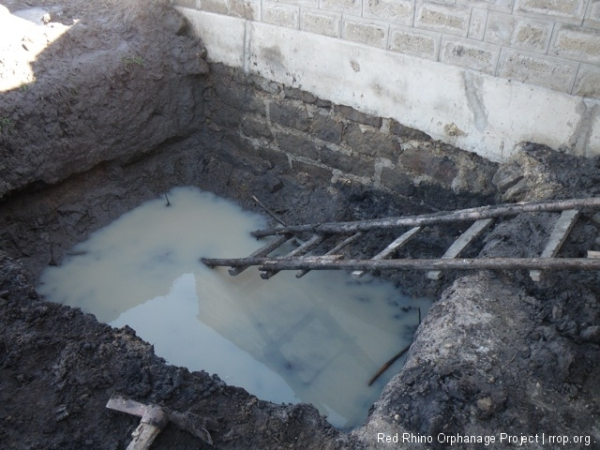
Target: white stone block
<point x="588" y="81"/>
<point x="492" y="5"/>
<point x="444" y="19"/>
<point x="578" y="43"/>
<point x="571" y="11"/>
<point x="281" y="14"/>
<point x="366" y="32"/>
<point x="245" y="9"/>
<point x="470" y="54"/>
<point x="353" y="7"/>
<point x="592" y="16"/>
<point x="540" y="70"/>
<point x="518" y="32"/>
<point x="394" y="11"/>
<point x="410" y="41"/>
<point x="478" y="23"/>
<point x="321" y="22"/>
<point x="216" y="6"/>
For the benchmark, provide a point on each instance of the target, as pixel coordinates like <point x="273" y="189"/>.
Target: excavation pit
<point x="318" y="340"/>
<point x="124" y="107"/>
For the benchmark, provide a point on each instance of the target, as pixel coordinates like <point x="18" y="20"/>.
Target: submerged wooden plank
<point x="461" y="243"/>
<point x="561" y="230"/>
<point x="397" y="244"/>
<point x="346" y="242"/>
<point x="465" y="215"/>
<point x="263" y="251"/>
<point x="313" y="242"/>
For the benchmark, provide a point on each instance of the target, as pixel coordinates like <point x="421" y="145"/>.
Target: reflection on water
<point x="317" y="339"/>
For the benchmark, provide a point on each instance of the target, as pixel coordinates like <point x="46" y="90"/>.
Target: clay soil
<point x="113" y="112"/>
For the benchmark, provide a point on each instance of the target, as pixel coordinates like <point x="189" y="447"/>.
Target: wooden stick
<point x="387" y="365"/>
<point x="590" y="254"/>
<point x="268" y="211"/>
<point x="324" y="263"/>
<point x="485" y="212"/>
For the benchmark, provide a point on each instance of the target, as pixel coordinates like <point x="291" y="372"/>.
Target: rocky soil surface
<point x="113" y="111"/>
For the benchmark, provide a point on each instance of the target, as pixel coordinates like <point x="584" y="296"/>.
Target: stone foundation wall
<point x="272" y="128"/>
<point x="481" y="75"/>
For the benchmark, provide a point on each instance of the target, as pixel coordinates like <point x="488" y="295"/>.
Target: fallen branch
<point x="268" y="211"/>
<point x="484" y="212"/>
<point x="387" y="365"/>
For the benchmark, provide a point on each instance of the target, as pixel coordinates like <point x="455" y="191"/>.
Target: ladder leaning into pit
<point x="347" y="233"/>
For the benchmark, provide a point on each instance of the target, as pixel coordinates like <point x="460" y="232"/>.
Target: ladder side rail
<point x="320" y="263"/>
<point x="465" y="215"/>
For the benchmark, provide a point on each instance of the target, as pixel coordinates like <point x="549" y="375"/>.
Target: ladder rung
<point x="313" y="242"/>
<point x="398" y="243"/>
<point x="559" y="234"/>
<point x="334" y="250"/>
<point x="263" y="251"/>
<point x="461" y="243"/>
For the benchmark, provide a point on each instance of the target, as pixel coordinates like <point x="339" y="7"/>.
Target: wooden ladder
<point x="347" y="233"/>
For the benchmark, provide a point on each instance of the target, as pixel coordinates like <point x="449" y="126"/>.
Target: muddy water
<point x="318" y="339"/>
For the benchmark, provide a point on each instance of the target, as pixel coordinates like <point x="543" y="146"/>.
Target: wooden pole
<point x="329" y="263"/>
<point x="484" y="212"/>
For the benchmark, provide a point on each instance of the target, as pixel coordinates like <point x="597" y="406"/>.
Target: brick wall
<point x="550" y="43"/>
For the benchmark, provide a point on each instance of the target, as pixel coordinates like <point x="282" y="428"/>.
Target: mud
<point x="122" y="108"/>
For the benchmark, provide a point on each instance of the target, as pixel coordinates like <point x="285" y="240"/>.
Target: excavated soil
<point x="116" y="111"/>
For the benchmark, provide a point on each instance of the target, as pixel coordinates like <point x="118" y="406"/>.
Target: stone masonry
<point x="271" y="128"/>
<point x="549" y="43"/>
